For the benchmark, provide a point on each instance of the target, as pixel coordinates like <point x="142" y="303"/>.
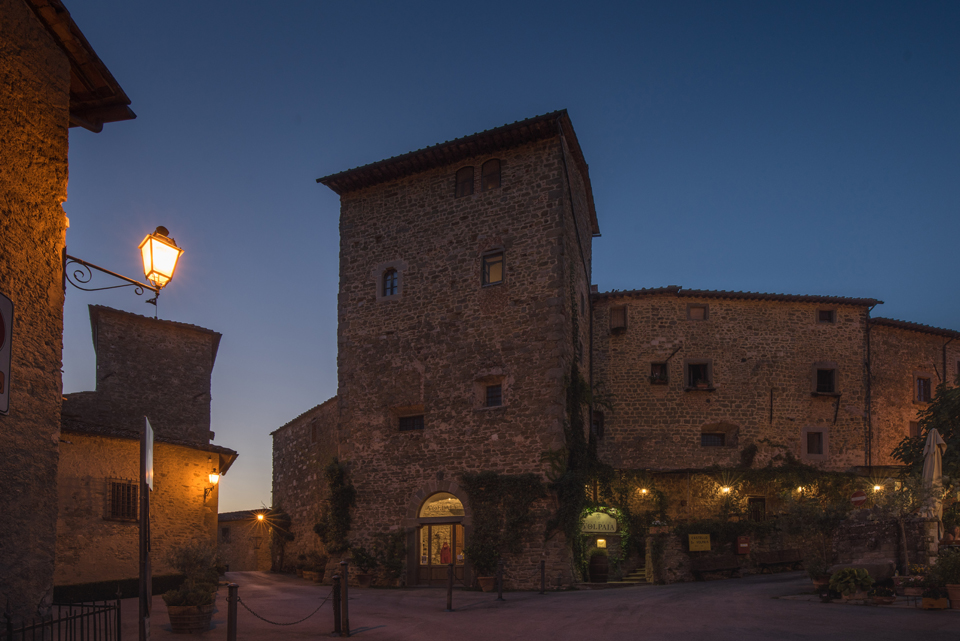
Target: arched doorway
<point x="440" y="539"/>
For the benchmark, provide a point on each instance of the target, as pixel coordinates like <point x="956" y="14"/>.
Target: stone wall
<point x="93" y="548"/>
<point x="762" y="354"/>
<point x="872" y="540"/>
<point x="147" y="367"/>
<point x="34" y="103"/>
<point x="301" y="450"/>
<point x="434" y="347"/>
<point x="897" y="357"/>
<point x="244" y="541"/>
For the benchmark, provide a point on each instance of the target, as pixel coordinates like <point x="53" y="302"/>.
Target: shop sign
<point x="6" y="336"/>
<point x="699" y="542"/>
<point x="599" y="523"/>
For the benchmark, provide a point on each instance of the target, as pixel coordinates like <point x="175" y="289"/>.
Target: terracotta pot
<point x="883" y="600"/>
<point x="309" y="575"/>
<point x="821" y="581"/>
<point x="935" y="604"/>
<point x="190" y="619"/>
<point x="856" y="596"/>
<point x="909" y="591"/>
<point x="487" y="583"/>
<point x="364" y="580"/>
<point x="953" y="591"/>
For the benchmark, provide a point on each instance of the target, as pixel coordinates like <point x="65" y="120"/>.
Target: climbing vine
<point x="501" y="515"/>
<point x="334" y="524"/>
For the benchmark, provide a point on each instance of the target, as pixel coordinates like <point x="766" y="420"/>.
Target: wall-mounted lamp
<point x="877" y="488"/>
<point x="159" y="253"/>
<point x="260" y="517"/>
<point x="726" y="489"/>
<point x="643" y="490"/>
<point x="602" y="544"/>
<point x="213" y="477"/>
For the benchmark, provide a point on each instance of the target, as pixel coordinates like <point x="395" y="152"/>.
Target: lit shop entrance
<point x="440" y="539"/>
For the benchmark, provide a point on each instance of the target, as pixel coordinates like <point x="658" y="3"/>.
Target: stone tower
<point x="464" y="268"/>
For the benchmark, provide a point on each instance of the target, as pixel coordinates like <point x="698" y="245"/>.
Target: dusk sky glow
<point x="806" y="148"/>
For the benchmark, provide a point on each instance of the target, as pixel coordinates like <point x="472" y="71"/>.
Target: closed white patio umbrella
<point x="932" y="476"/>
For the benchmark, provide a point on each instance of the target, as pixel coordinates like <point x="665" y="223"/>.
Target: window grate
<point x="494" y="395"/>
<point x="757" y="509"/>
<point x="410" y="423"/>
<point x="815" y="443"/>
<point x="122" y="500"/>
<point x="826" y="381"/>
<point x="713" y="439"/>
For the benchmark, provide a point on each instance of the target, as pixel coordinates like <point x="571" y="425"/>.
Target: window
<point x="493" y="268"/>
<point x="757" y="509"/>
<point x="914" y="429"/>
<point x="826" y="316"/>
<point x="410" y="423"/>
<point x="658" y="373"/>
<point x="923" y="389"/>
<point x="489" y="175"/>
<point x="698" y="374"/>
<point x="815" y="443"/>
<point x="390" y="282"/>
<point x="256" y="542"/>
<point x="122" y="500"/>
<point x="713" y="439"/>
<point x="464" y="182"/>
<point x="596" y="425"/>
<point x="698" y="312"/>
<point x="225" y="534"/>
<point x="618" y="319"/>
<point x="826" y="381"/>
<point x="494" y="395"/>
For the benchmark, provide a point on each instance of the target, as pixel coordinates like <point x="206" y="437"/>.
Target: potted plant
<point x="851" y="583"/>
<point x="818" y="570"/>
<point x="191" y="606"/>
<point x="947" y="573"/>
<point x="882" y="595"/>
<point x="365" y="563"/>
<point x="934" y="597"/>
<point x="483" y="556"/>
<point x="599" y="565"/>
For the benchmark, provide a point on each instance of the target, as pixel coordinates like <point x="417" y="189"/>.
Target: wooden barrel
<point x="599" y="568"/>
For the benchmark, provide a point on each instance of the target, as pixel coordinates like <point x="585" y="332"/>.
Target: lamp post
<point x="159" y="253"/>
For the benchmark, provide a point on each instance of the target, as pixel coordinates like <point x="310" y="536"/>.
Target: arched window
<point x="465" y="182"/>
<point x="390" y="282"/>
<point x="490" y="175"/>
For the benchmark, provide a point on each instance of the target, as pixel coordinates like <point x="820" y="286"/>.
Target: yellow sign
<point x="699" y="542"/>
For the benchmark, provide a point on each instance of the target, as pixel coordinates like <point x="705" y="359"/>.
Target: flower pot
<point x="821" y="581"/>
<point x="953" y="592"/>
<point x="935" y="604"/>
<point x="856" y="596"/>
<point x="912" y="591"/>
<point x="364" y="580"/>
<point x="883" y="600"/>
<point x="318" y="575"/>
<point x="190" y="619"/>
<point x="309" y="575"/>
<point x="487" y="583"/>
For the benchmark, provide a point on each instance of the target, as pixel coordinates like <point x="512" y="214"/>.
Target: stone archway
<point x="458" y="528"/>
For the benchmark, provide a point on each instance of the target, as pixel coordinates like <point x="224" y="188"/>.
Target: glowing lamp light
<point x="800" y="489"/>
<point x="877" y="488"/>
<point x="643" y="490"/>
<point x="160" y="255"/>
<point x="726" y="489"/>
<point x="602" y="544"/>
<point x="214" y="478"/>
<point x="259" y="517"/>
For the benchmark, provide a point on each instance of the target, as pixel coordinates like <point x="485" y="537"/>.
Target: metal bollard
<point x="345" y="581"/>
<point x="336" y="604"/>
<point x="450" y="588"/>
<point x="232" y="598"/>
<point x="543" y="576"/>
<point x="500" y="580"/>
<point x="119" y="618"/>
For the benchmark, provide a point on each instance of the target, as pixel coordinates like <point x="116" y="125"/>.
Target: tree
<point x="943" y="414"/>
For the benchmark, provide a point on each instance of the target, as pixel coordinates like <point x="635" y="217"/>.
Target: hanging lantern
<point x="160" y="255"/>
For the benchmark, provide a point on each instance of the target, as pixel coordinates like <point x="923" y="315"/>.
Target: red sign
<point x="859" y="498"/>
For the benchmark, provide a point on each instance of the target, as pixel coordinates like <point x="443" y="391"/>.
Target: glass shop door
<point x="439" y="545"/>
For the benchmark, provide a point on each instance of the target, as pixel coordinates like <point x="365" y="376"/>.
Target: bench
<point x="716" y="564"/>
<point x="766" y="561"/>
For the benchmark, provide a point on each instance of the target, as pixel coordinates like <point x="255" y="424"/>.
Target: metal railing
<point x="95" y="621"/>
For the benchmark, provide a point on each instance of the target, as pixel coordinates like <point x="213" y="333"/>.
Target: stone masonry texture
<point x="34" y="104"/>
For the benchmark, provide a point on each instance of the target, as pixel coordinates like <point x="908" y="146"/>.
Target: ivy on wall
<point x="501" y="515"/>
<point x="333" y="527"/>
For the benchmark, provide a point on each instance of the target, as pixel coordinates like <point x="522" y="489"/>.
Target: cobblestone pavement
<point x="734" y="609"/>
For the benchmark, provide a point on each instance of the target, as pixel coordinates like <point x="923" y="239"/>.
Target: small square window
<point x="494" y="395"/>
<point x="815" y="443"/>
<point x="698" y="312"/>
<point x="826" y="316"/>
<point x="493" y="268"/>
<point x="826" y="381"/>
<point x="698" y="375"/>
<point x="410" y="423"/>
<point x="658" y="373"/>
<point x="122" y="500"/>
<point x="597" y="424"/>
<point x="914" y="429"/>
<point x="713" y="439"/>
<point x="924" y="392"/>
<point x="618" y="319"/>
<point x="225" y="534"/>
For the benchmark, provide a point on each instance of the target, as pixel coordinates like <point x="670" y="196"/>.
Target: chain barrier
<point x="277" y="623"/>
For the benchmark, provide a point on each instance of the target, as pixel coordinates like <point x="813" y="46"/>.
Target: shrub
<point x="850" y="581"/>
<point x="364" y="561"/>
<point x="947" y="569"/>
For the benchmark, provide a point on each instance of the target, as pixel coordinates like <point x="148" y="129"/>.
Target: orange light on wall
<point x="160" y="255"/>
<point x="259" y="517"/>
<point x="214" y="478"/>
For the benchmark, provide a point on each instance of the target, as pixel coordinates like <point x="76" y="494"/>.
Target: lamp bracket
<point x="83" y="274"/>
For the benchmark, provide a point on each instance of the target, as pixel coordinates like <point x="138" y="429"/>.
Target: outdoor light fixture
<point x="643" y="490"/>
<point x="800" y="489"/>
<point x="159" y="253"/>
<point x="260" y="517"/>
<point x="602" y="544"/>
<point x="213" y="477"/>
<point x="726" y="489"/>
<point x="877" y="488"/>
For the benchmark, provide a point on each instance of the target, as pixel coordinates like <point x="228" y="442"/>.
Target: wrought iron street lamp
<point x="159" y="253"/>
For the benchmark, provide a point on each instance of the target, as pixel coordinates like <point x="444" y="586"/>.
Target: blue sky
<point x="805" y="148"/>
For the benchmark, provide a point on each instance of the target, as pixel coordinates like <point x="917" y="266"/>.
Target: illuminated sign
<point x="599" y="523"/>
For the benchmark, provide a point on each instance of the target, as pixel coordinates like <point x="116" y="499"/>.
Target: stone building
<point x="243" y="539"/>
<point x="145" y="367"/>
<point x="465" y="299"/>
<point x="52" y="80"/>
